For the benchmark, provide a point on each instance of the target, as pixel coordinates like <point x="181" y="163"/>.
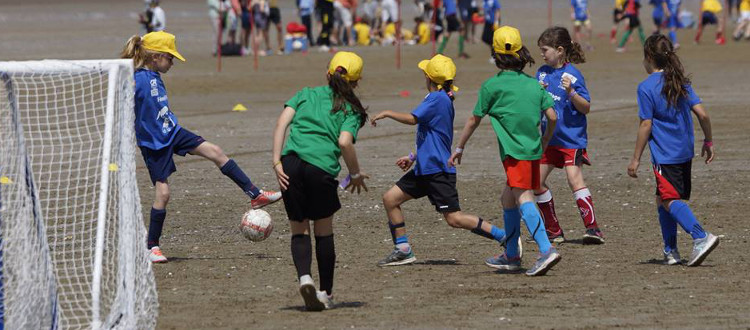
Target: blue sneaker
<point x="502" y="262"/>
<point x="544" y="263"/>
<point x="398" y="257"/>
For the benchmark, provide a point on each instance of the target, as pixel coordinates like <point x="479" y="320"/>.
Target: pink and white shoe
<point x="265" y="198"/>
<point x="156" y="256"/>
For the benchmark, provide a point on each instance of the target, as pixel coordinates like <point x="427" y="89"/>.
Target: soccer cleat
<point x="672" y="257"/>
<point x="325" y="299"/>
<point x="398" y="257"/>
<point x="501" y="261"/>
<point x="620" y="49"/>
<point x="265" y="198"/>
<point x="156" y="256"/>
<point x="544" y="263"/>
<point x="721" y="40"/>
<point x="701" y="248"/>
<point x="593" y="236"/>
<point x="310" y="294"/>
<point x="559" y="238"/>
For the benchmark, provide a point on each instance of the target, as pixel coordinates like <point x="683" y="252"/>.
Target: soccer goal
<point x="72" y="238"/>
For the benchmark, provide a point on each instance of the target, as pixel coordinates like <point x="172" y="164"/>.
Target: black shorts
<point x="312" y="193"/>
<point x="275" y="15"/>
<point x="160" y="163"/>
<point x="634" y="21"/>
<point x="488" y="33"/>
<point x="673" y="180"/>
<point x="245" y="18"/>
<point x="616" y="16"/>
<point x="709" y="18"/>
<point x="453" y="23"/>
<point x="440" y="188"/>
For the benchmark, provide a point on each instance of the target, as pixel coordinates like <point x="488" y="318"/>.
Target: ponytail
<point x="343" y="93"/>
<point x="558" y="36"/>
<point x="446" y="87"/>
<point x="659" y="52"/>
<point x="133" y="49"/>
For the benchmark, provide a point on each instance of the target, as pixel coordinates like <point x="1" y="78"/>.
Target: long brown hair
<point x="343" y="93"/>
<point x="659" y="52"/>
<point x="510" y="62"/>
<point x="558" y="36"/>
<point x="134" y="49"/>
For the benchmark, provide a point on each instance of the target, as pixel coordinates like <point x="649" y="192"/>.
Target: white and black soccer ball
<point x="256" y="225"/>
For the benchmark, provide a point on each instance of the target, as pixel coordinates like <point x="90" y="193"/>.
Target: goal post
<point x="72" y="238"/>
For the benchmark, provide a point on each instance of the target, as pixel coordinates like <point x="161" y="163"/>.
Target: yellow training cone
<point x="239" y="107"/>
<point x="5" y="180"/>
<point x="113" y="167"/>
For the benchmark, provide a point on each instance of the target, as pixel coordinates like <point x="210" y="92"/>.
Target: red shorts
<point x="522" y="174"/>
<point x="561" y="157"/>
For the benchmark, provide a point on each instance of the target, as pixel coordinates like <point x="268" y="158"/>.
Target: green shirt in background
<point x="314" y="131"/>
<point x="514" y="101"/>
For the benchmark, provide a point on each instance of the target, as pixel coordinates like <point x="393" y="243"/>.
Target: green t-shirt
<point x="314" y="131"/>
<point x="514" y="101"/>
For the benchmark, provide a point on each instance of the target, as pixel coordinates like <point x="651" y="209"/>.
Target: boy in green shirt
<point x="514" y="100"/>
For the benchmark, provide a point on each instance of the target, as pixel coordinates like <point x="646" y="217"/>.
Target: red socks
<point x="586" y="207"/>
<point x="547" y="206"/>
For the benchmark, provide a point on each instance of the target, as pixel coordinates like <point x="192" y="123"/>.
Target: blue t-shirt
<point x="155" y="124"/>
<point x="570" y="131"/>
<point x="671" y="140"/>
<point x="579" y="8"/>
<point x="450" y="7"/>
<point x="434" y="134"/>
<point x="305" y="7"/>
<point x="490" y="7"/>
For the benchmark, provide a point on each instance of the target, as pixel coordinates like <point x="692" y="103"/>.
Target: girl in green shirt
<point x="323" y="123"/>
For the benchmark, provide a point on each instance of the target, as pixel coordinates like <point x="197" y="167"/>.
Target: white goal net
<point x="72" y="238"/>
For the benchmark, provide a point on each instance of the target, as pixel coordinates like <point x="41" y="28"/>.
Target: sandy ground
<point x="218" y="280"/>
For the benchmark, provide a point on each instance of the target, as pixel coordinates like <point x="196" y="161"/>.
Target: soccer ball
<point x="256" y="225"/>
<point x="297" y="45"/>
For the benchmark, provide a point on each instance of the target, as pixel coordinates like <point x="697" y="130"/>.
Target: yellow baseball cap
<point x="350" y="62"/>
<point x="439" y="69"/>
<point x="507" y="40"/>
<point x="161" y="42"/>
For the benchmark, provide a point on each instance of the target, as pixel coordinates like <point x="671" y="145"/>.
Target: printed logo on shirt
<point x="161" y="99"/>
<point x="153" y="83"/>
<point x="154" y="92"/>
<point x="167" y="124"/>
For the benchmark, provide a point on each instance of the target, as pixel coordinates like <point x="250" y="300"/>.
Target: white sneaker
<point x="672" y="257"/>
<point x="325" y="299"/>
<point x="156" y="256"/>
<point x="701" y="248"/>
<point x="310" y="294"/>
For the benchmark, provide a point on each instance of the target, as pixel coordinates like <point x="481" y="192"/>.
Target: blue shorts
<point x="709" y="18"/>
<point x="674" y="22"/>
<point x="160" y="163"/>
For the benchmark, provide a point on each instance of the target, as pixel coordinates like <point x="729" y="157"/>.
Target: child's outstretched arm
<point x="346" y="143"/>
<point x="471" y="125"/>
<point x="708" y="145"/>
<point x="279" y="135"/>
<point x="550" y="130"/>
<point x="404" y="118"/>
<point x="644" y="132"/>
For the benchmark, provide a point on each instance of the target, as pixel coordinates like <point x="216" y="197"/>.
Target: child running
<point x="743" y="25"/>
<point x="665" y="100"/>
<point x="632" y="7"/>
<point x="159" y="136"/>
<point x="617" y="17"/>
<point x="567" y="149"/>
<point x="431" y="176"/>
<point x="579" y="13"/>
<point x="711" y="14"/>
<point x="660" y="8"/>
<point x="323" y="123"/>
<point x="673" y="20"/>
<point x="514" y="100"/>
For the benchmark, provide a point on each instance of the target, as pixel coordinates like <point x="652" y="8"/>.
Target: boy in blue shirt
<point x="431" y="176"/>
<point x="665" y="100"/>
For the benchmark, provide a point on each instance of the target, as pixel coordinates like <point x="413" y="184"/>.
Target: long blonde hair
<point x="134" y="49"/>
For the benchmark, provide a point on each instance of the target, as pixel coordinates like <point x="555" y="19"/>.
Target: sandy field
<point x="218" y="280"/>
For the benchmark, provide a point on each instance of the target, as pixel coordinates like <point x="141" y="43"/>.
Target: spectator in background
<point x="345" y="11"/>
<point x="159" y="19"/>
<point x="305" y="14"/>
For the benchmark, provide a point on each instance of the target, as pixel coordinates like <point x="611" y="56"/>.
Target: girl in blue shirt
<point x="665" y="100"/>
<point x="567" y="148"/>
<point x="160" y="136"/>
<point x="431" y="175"/>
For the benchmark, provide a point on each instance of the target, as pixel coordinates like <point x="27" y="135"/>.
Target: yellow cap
<point x="507" y="40"/>
<point x="161" y="42"/>
<point x="348" y="61"/>
<point x="439" y="69"/>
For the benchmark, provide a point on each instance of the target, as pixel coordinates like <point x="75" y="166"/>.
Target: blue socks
<point x="234" y="172"/>
<point x="495" y="233"/>
<point x="673" y="37"/>
<point x="668" y="229"/>
<point x="535" y="225"/>
<point x="512" y="218"/>
<point x="402" y="243"/>
<point x="155" y="225"/>
<point x="681" y="213"/>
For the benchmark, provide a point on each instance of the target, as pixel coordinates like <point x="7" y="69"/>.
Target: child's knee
<point x="453" y="219"/>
